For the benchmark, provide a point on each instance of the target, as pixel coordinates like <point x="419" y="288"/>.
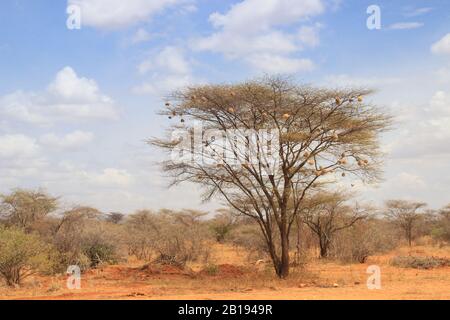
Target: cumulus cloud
<point x="167" y="70"/>
<point x="170" y="59"/>
<point x="141" y="35"/>
<point x="406" y="25"/>
<point x="17" y="146"/>
<point x="427" y="132"/>
<point x="67" y="97"/>
<point x="417" y="11"/>
<point x="346" y="80"/>
<point x="309" y="35"/>
<point x="20" y="159"/>
<point x="249" y="31"/>
<point x="111" y="177"/>
<point x="255" y="15"/>
<point x="270" y="63"/>
<point x="442" y="46"/>
<point x="69" y="141"/>
<point x="115" y="14"/>
<point x="440" y="104"/>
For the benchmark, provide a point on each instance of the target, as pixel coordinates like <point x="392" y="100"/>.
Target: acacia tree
<point x="223" y="223"/>
<point x="264" y="144"/>
<point x="115" y="217"/>
<point x="406" y="215"/>
<point x="24" y="208"/>
<point x="445" y="212"/>
<point x="21" y="255"/>
<point x="327" y="213"/>
<point x="444" y="223"/>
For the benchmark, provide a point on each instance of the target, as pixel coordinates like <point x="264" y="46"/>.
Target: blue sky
<point x="76" y="105"/>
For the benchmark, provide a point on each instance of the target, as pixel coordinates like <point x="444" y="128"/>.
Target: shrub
<point x="65" y="259"/>
<point x="100" y="253"/>
<point x="21" y="255"/>
<point x="441" y="233"/>
<point x="83" y="239"/>
<point x="26" y="208"/>
<point x="362" y="240"/>
<point x="419" y="262"/>
<point x="247" y="235"/>
<point x="212" y="269"/>
<point x="174" y="237"/>
<point x="222" y="224"/>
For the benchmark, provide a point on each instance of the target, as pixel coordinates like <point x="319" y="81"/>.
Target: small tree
<point x="115" y="217"/>
<point x="442" y="231"/>
<point x="223" y="223"/>
<point x="21" y="255"/>
<point x="141" y="230"/>
<point x="24" y="208"/>
<point x="69" y="235"/>
<point x="445" y="212"/>
<point x="406" y="215"/>
<point x="326" y="214"/>
<point x="175" y="237"/>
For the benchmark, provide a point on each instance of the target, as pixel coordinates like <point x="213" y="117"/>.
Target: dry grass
<point x="321" y="279"/>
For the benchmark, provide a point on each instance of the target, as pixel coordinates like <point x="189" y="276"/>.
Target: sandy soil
<point x="233" y="278"/>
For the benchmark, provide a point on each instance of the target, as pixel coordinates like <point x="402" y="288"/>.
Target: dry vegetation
<point x="185" y="254"/>
<point x="285" y="232"/>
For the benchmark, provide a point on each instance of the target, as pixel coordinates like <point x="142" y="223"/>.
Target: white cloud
<point x="279" y="64"/>
<point x="442" y="46"/>
<point x="68" y="97"/>
<point x="72" y="140"/>
<point x="78" y="175"/>
<point x="164" y="85"/>
<point x="20" y="159"/>
<point x="248" y="31"/>
<point x="235" y="45"/>
<point x="409" y="180"/>
<point x="440" y="104"/>
<point x="404" y="185"/>
<point x="111" y="177"/>
<point x="114" y="14"/>
<point x="309" y="35"/>
<point x="168" y="70"/>
<point x="170" y="59"/>
<point x="17" y="146"/>
<point x="254" y="15"/>
<point x="427" y="132"/>
<point x="346" y="80"/>
<point x="141" y="35"/>
<point x="418" y="11"/>
<point x="406" y="25"/>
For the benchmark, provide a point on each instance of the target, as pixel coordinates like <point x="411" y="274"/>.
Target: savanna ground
<point x="230" y="276"/>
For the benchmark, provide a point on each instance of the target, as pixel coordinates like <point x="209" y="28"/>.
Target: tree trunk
<point x="299" y="248"/>
<point x="409" y="237"/>
<point x="284" y="263"/>
<point x="323" y="251"/>
<point x="324" y="244"/>
<point x="273" y="255"/>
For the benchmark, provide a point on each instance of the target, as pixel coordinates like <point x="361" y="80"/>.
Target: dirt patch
<point x="223" y="270"/>
<point x="231" y="280"/>
<point x="165" y="269"/>
<point x="420" y="262"/>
